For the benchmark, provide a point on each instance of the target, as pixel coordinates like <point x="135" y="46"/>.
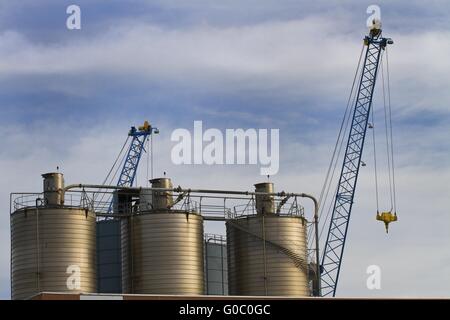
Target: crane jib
<point x="334" y="245"/>
<point x="133" y="156"/>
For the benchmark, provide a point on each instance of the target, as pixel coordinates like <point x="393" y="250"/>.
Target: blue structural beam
<point x="131" y="164"/>
<point x="134" y="154"/>
<point x="335" y="243"/>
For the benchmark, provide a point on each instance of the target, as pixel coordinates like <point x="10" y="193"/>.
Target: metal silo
<point x="162" y="249"/>
<point x="162" y="200"/>
<point x="53" y="188"/>
<point x="52" y="246"/>
<point x="267" y="252"/>
<point x="265" y="204"/>
<point x="216" y="266"/>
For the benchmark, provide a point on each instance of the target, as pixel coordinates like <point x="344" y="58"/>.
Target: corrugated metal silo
<point x="162" y="249"/>
<point x="216" y="266"/>
<point x="267" y="253"/>
<point x="52" y="247"/>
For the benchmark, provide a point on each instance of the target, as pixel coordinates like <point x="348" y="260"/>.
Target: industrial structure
<point x="267" y="251"/>
<point x="50" y="241"/>
<point x="358" y="117"/>
<point x="163" y="248"/>
<point x="116" y="237"/>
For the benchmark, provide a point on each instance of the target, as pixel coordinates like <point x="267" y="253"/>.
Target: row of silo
<point x="162" y="249"/>
<point x="53" y="246"/>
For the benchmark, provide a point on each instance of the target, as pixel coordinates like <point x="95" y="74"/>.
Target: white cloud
<point x="301" y="58"/>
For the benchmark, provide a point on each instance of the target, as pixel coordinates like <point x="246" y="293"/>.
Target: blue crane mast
<point x="131" y="164"/>
<point x="137" y="146"/>
<point x="335" y="242"/>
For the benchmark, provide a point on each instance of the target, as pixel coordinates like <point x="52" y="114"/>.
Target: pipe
<point x="264" y="254"/>
<point x="316" y="231"/>
<point x="38" y="251"/>
<point x="180" y="190"/>
<point x="10" y="246"/>
<point x="206" y="265"/>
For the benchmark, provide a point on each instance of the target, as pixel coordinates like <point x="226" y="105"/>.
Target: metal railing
<point x="213" y="206"/>
<point x="32" y="199"/>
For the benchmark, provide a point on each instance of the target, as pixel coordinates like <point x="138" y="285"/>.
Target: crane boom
<point x="134" y="154"/>
<point x="128" y="174"/>
<point x="343" y="202"/>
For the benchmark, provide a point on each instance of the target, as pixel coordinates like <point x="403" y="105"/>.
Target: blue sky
<point x="67" y="98"/>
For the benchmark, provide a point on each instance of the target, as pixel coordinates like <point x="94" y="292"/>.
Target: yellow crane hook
<point x="387" y="217"/>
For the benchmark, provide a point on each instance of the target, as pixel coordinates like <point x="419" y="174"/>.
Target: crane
<point x="133" y="156"/>
<point x="331" y="262"/>
<point x="130" y="166"/>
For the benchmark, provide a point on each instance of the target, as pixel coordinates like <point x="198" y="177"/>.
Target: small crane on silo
<point x="374" y="47"/>
<point x="131" y="159"/>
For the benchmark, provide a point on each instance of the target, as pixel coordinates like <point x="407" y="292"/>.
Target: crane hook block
<point x="387" y="217"/>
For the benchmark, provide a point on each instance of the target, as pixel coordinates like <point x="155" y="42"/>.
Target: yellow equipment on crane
<point x="146" y="127"/>
<point x="387" y="217"/>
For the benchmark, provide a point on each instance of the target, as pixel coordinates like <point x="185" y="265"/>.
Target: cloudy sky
<point x="68" y="97"/>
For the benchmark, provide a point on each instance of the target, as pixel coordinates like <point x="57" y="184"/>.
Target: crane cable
<point x="115" y="162"/>
<point x="389" y="142"/>
<point x="390" y="129"/>
<point x="337" y="150"/>
<point x="148" y="160"/>
<point x="375" y="160"/>
<point x="388" y="137"/>
<point x="121" y="164"/>
<point x="105" y="182"/>
<point x="386" y="126"/>
<point x="151" y="156"/>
